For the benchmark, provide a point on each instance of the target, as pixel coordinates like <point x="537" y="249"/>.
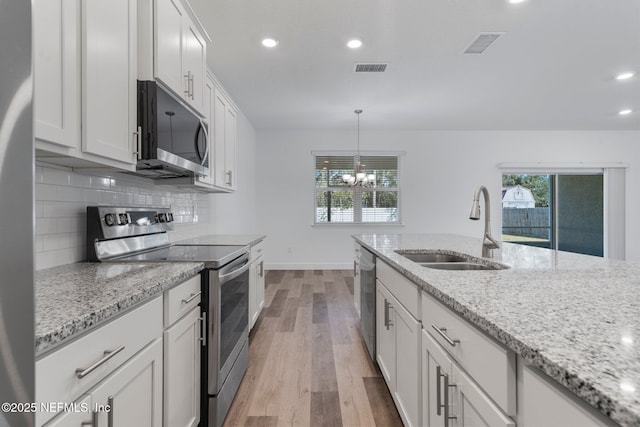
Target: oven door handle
<point x="240" y="268"/>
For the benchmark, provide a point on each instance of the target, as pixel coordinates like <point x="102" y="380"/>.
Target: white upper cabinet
<point x="56" y="47"/>
<point x="180" y="51"/>
<point x="224" y="139"/>
<point x="85" y="71"/>
<point x="109" y="68"/>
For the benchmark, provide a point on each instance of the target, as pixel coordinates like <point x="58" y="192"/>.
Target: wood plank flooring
<point x="308" y="365"/>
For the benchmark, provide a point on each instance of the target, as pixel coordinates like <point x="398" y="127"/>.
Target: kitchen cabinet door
<point x="182" y="344"/>
<point x="109" y="67"/>
<point x="407" y="348"/>
<point x="475" y="408"/>
<point x="256" y="290"/>
<point x="385" y="335"/>
<point x="168" y="16"/>
<point x="435" y="364"/>
<point x="225" y="122"/>
<point x="133" y="393"/>
<point x="194" y="63"/>
<point x="56" y="63"/>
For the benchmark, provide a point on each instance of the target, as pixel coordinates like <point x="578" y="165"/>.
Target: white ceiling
<point x="554" y="69"/>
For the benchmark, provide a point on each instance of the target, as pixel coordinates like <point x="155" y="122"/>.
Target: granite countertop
<point x="73" y="299"/>
<point x="576" y="317"/>
<point x="224" y="240"/>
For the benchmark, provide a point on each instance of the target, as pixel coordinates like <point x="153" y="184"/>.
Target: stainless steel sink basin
<point x="459" y="266"/>
<point x="431" y="257"/>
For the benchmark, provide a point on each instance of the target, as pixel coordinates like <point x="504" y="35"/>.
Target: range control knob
<point x="169" y="217"/>
<point x="162" y="217"/>
<point x="123" y="219"/>
<point x="110" y="219"/>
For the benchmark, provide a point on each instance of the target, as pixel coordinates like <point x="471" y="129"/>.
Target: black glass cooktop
<point x="212" y="256"/>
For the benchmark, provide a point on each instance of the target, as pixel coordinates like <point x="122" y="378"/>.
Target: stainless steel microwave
<point x="173" y="139"/>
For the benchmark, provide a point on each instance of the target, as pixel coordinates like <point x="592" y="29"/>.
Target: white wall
<point x="236" y="213"/>
<point x="440" y="172"/>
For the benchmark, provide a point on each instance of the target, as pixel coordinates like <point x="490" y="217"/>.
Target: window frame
<point x="358" y="203"/>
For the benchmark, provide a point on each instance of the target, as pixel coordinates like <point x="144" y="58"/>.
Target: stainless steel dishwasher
<point x="368" y="300"/>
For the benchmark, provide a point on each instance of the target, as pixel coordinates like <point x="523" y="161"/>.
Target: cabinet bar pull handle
<point x="203" y="329"/>
<point x="230" y="180"/>
<point x="191" y="297"/>
<point x="438" y="395"/>
<point x="355" y="273"/>
<point x="441" y="332"/>
<point x="138" y="136"/>
<point x="108" y="354"/>
<point x="110" y="413"/>
<point x="387" y="305"/>
<point x="186" y="76"/>
<point x="446" y="400"/>
<point x="261" y="268"/>
<point x="94" y="420"/>
<point x="191" y="86"/>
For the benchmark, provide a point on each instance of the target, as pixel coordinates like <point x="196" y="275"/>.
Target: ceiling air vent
<point x="371" y="68"/>
<point x="482" y="42"/>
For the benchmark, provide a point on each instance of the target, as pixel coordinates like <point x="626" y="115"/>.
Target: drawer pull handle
<point x="442" y="333"/>
<point x="191" y="297"/>
<point x="108" y="354"/>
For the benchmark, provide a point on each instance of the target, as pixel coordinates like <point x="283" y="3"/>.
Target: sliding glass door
<point x="556" y="211"/>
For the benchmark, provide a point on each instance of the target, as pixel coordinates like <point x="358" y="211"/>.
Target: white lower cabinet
<point x="398" y="349"/>
<point x="542" y="403"/>
<point x="472" y="406"/>
<point x="437" y="400"/>
<point x="183" y="340"/>
<point x="256" y="283"/>
<point x="132" y="396"/>
<point x="141" y="369"/>
<point x="182" y="343"/>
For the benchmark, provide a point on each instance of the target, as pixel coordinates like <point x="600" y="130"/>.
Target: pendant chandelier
<point x="361" y="178"/>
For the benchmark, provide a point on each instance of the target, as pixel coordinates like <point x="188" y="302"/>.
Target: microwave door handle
<point x="206" y="139"/>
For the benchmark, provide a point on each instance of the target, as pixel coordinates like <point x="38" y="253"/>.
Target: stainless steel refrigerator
<point x="17" y="382"/>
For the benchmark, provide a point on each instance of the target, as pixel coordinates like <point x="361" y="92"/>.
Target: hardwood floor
<point x="308" y="365"/>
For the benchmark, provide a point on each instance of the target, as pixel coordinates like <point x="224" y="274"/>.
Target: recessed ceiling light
<point x="625" y="112"/>
<point x="269" y="42"/>
<point x="354" y="43"/>
<point x="625" y="76"/>
<point x="516" y="1"/>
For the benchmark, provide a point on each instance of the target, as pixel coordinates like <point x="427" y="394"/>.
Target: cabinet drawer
<point x="490" y="364"/>
<point x="56" y="376"/>
<point x="407" y="292"/>
<point x="257" y="251"/>
<point x="181" y="299"/>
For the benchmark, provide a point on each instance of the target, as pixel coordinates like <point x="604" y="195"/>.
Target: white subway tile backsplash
<point x="56" y="176"/>
<point x="62" y="198"/>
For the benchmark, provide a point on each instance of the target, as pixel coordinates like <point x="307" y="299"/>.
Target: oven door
<point x="228" y="318"/>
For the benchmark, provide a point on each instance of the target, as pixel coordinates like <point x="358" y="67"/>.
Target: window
<point x="338" y="202"/>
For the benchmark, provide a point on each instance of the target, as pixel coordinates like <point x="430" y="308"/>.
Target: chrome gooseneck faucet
<point x="488" y="242"/>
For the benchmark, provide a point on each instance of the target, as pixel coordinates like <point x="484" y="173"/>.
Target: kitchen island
<point x="573" y="317"/>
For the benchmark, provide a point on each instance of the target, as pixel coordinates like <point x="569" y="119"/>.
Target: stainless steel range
<point x="141" y="235"/>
